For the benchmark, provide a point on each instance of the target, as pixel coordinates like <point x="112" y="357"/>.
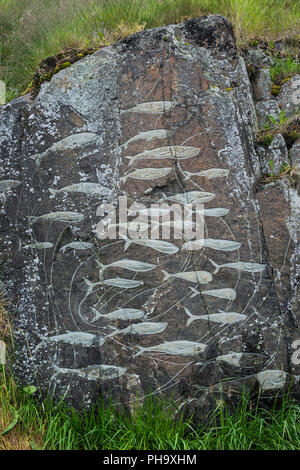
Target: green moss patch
<point x="54" y="64"/>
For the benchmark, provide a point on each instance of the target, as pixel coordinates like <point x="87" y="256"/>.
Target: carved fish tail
<point x="166" y="275"/>
<point x="53" y="191"/>
<point x="195" y="292"/>
<point x="127" y="245"/>
<point x="89" y="284"/>
<point x="101" y="266"/>
<point x="215" y="265"/>
<point x="141" y="351"/>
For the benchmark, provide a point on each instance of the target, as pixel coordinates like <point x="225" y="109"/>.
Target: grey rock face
<point x="289" y="96"/>
<point x="168" y="116"/>
<point x="258" y="58"/>
<point x="277" y="153"/>
<point x="264" y="109"/>
<point x="262" y="85"/>
<point x="295" y="161"/>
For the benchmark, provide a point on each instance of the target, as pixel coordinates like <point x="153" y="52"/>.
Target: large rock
<point x="289" y="96"/>
<point x="179" y="86"/>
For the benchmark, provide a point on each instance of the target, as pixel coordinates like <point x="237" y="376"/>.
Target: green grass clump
<point x="31" y="30"/>
<point x="27" y="423"/>
<point x="283" y="69"/>
<point x="267" y="140"/>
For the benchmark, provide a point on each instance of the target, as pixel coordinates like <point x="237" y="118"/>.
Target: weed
<point x="276" y="121"/>
<point x="283" y="69"/>
<point x="288" y="127"/>
<point x="271" y="165"/>
<point x="267" y="140"/>
<point x="284" y="171"/>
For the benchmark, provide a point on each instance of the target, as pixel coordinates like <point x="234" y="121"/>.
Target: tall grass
<point x="26" y="423"/>
<point x="31" y="30"/>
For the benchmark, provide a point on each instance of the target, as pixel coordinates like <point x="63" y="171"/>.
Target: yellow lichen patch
<point x="65" y="64"/>
<point x="275" y="89"/>
<point x="287" y="79"/>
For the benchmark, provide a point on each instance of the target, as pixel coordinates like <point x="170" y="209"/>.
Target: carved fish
<point x="153" y="107"/>
<point x="130" y="264"/>
<point x="173" y="151"/>
<point x="202" y="277"/>
<point x="125" y="314"/>
<point x="148" y="136"/>
<point x="7" y="185"/>
<point x="243" y="359"/>
<point x="132" y="226"/>
<point x="232" y="359"/>
<point x="87" y="188"/>
<point x="271" y="379"/>
<point x="190" y="197"/>
<point x="221" y="317"/>
<point x="159" y="245"/>
<point x="175" y="348"/>
<point x="209" y="174"/>
<point x="147" y="174"/>
<point x="222" y="245"/>
<point x="71" y="142"/>
<point x="229" y="294"/>
<point x="150" y="211"/>
<point x="94" y="372"/>
<point x="215" y="212"/>
<point x="40" y="245"/>
<point x="61" y="216"/>
<point x="240" y="266"/>
<point x="178" y="224"/>
<point x="115" y="282"/>
<point x="75" y="338"/>
<point x="144" y="328"/>
<point x="77" y="246"/>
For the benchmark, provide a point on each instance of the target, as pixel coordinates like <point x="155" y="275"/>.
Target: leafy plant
<point x="283" y="69"/>
<point x="285" y="170"/>
<point x="282" y="117"/>
<point x="13" y="423"/>
<point x="30" y="389"/>
<point x="271" y="165"/>
<point x="284" y="167"/>
<point x="276" y="121"/>
<point x="272" y="119"/>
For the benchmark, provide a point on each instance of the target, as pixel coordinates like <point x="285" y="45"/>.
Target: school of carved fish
<point x="138" y="323"/>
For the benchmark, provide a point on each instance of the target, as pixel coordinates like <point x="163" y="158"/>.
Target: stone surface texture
<point x="262" y="85"/>
<point x="72" y="336"/>
<point x="277" y="153"/>
<point x="289" y="96"/>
